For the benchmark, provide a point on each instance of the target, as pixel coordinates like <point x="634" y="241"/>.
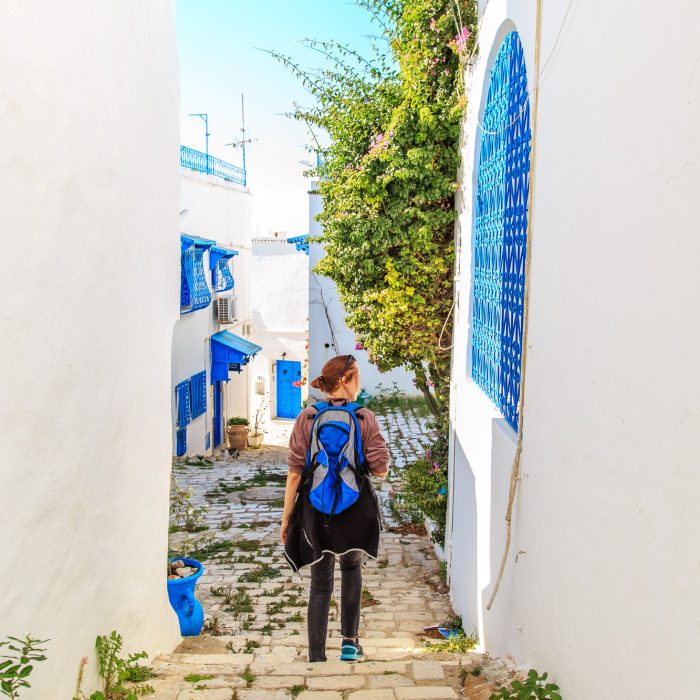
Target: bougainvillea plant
<point x="388" y="179"/>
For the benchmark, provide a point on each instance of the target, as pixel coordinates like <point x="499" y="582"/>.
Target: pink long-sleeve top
<point x="376" y="451"/>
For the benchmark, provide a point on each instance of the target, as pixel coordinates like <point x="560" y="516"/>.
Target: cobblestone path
<point x="254" y="645"/>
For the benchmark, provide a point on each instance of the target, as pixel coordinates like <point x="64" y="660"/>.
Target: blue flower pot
<point x="181" y="595"/>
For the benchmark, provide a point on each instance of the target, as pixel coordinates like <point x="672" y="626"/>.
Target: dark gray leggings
<point x="320" y="598"/>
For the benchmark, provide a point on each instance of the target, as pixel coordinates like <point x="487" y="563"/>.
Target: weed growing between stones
<point x="367" y="599"/>
<point x="196" y="677"/>
<point x="185" y="516"/>
<point x="247" y="648"/>
<point x="226" y="524"/>
<point x="535" y="687"/>
<point x="214" y="627"/>
<point x="115" y="670"/>
<point x="248" y="677"/>
<point x="264" y="571"/>
<point x="296" y="690"/>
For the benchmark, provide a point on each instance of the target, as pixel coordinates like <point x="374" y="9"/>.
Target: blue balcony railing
<point x="196" y="160"/>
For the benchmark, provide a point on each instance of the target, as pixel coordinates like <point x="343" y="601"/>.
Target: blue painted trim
<point x="196" y="160"/>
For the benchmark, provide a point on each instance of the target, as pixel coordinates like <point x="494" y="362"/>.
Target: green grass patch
<point x="196" y="677"/>
<point x="263" y="572"/>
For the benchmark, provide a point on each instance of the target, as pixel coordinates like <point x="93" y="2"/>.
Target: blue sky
<point x="219" y="60"/>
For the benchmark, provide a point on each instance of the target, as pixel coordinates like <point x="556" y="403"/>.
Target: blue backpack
<point x="335" y="461"/>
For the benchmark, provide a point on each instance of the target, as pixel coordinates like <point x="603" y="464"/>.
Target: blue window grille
<point x="221" y="277"/>
<point x="301" y="243"/>
<point x="194" y="292"/>
<point x="198" y="394"/>
<point x="203" y="163"/>
<point x="184" y="405"/>
<point x="503" y="185"/>
<point x="181" y="442"/>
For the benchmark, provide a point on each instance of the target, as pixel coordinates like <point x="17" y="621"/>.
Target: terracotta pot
<point x="255" y="440"/>
<point x="237" y="435"/>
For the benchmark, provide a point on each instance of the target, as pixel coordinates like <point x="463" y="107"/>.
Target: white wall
<point x="89" y="196"/>
<point x="605" y="594"/>
<point x="212" y="208"/>
<point x="326" y="335"/>
<point x="279" y="296"/>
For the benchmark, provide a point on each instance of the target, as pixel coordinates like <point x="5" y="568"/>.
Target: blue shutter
<point x="184" y="407"/>
<point x="198" y="394"/>
<point x="503" y="184"/>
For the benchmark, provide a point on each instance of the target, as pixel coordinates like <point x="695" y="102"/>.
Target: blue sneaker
<point x="351" y="651"/>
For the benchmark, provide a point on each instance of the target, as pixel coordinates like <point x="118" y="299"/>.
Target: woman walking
<point x="330" y="508"/>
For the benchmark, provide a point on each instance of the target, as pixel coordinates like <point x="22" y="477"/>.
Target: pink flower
<point x="359" y="346"/>
<point x="460" y="41"/>
<point x="429" y="383"/>
<point x="432" y="24"/>
<point x="428" y="455"/>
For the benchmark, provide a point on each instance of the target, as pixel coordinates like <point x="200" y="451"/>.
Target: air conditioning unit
<point x="226" y="309"/>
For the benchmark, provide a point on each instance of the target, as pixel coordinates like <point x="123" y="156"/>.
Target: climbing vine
<point x="388" y="179"/>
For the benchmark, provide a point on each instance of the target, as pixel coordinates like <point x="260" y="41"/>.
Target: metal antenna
<point x="205" y="118"/>
<point x="241" y="143"/>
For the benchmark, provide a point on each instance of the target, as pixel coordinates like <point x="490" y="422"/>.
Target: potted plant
<point x="255" y="438"/>
<point x="237" y="431"/>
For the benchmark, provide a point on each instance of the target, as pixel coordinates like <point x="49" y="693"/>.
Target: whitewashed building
<point x="212" y="341"/>
<point x="89" y="194"/>
<point x="581" y="165"/>
<point x="328" y="334"/>
<point x="279" y="298"/>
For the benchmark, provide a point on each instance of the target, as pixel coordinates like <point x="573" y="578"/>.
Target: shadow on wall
<point x="498" y="621"/>
<point x="463" y="569"/>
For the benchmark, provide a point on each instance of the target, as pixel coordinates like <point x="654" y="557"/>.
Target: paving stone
<point x="254" y="694"/>
<point x="381" y="667"/>
<point x="319" y="695"/>
<point x="427" y="671"/>
<point x="335" y="682"/>
<point x="389" y="680"/>
<point x="424" y="692"/>
<point x="372" y="695"/>
<point x="274" y="682"/>
<point x="212" y="694"/>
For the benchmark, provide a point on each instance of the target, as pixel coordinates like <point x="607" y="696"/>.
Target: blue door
<point x="288" y="395"/>
<point x="218" y="432"/>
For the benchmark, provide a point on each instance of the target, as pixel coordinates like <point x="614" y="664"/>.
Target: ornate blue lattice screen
<point x="503" y="185"/>
<point x="194" y="292"/>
